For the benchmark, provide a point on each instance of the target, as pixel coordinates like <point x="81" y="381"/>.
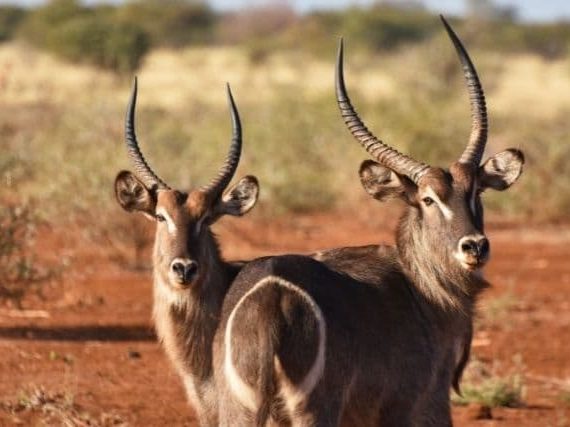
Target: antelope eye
<point x="427" y="200"/>
<point x="160" y="218"/>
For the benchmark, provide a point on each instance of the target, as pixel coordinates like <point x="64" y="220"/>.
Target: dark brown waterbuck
<point x="190" y="277"/>
<point x="373" y="335"/>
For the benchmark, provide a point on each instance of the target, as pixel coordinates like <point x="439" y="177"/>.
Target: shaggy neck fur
<point x="186" y="319"/>
<point x="432" y="270"/>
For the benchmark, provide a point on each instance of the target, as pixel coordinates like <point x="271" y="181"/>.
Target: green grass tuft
<point x="492" y="392"/>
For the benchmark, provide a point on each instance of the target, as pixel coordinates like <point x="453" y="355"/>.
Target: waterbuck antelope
<point x="374" y="335"/>
<point x="190" y="277"/>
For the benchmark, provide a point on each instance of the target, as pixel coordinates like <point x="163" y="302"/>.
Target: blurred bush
<point x="118" y="36"/>
<point x="171" y="23"/>
<point x="89" y="39"/>
<point x="87" y="35"/>
<point x="259" y="30"/>
<point x="10" y="19"/>
<point x="382" y="28"/>
<point x="43" y="22"/>
<point x="127" y="238"/>
<point x="549" y="41"/>
<point x="402" y="71"/>
<point x="19" y="271"/>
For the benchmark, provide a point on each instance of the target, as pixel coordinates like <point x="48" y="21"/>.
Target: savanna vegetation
<point x="66" y="70"/>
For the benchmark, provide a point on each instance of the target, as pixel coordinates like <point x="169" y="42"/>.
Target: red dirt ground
<point x="97" y="362"/>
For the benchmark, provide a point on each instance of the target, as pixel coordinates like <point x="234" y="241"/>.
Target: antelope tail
<point x="267" y="382"/>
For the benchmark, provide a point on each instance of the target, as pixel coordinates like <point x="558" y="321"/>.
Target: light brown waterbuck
<point x="190" y="277"/>
<point x="373" y="335"/>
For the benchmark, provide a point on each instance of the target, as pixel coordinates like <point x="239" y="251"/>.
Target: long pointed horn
<point x="383" y="153"/>
<point x="142" y="168"/>
<point x="216" y="187"/>
<point x="473" y="153"/>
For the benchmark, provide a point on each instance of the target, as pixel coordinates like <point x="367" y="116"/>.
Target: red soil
<point x="97" y="348"/>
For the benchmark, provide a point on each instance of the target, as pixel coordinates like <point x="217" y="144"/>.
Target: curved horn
<point x="473" y="153"/>
<point x="142" y="168"/>
<point x="383" y="153"/>
<point x="228" y="169"/>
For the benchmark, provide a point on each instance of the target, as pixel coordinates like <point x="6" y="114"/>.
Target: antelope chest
<point x="167" y="332"/>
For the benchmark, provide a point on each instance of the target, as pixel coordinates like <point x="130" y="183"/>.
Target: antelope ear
<point x="132" y="195"/>
<point x="239" y="199"/>
<point x="502" y="170"/>
<point x="383" y="183"/>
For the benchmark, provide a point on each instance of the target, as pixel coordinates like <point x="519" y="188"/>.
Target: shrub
<point x="91" y="39"/>
<point x="18" y="269"/>
<point x="53" y="407"/>
<point x="128" y="238"/>
<point x="550" y="41"/>
<point x="387" y="27"/>
<point x="170" y="23"/>
<point x="483" y="386"/>
<point x="87" y="35"/>
<point x="10" y="19"/>
<point x="256" y="24"/>
<point x="42" y="23"/>
<point x="492" y="392"/>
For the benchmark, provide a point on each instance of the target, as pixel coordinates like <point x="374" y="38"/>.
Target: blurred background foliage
<point x="66" y="68"/>
<point x="117" y="36"/>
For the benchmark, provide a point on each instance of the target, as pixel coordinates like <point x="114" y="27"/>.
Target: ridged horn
<point x="142" y="169"/>
<point x="473" y="153"/>
<point x="216" y="187"/>
<point x="384" y="154"/>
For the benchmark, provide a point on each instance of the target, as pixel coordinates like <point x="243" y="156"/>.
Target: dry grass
<point x="62" y="125"/>
<point x="530" y="87"/>
<point x="20" y="270"/>
<point x="42" y="407"/>
<point x="482" y="384"/>
<point x="495" y="312"/>
<point x="492" y="392"/>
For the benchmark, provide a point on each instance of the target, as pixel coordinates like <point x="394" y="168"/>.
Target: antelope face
<point x="184" y="246"/>
<point x="445" y="205"/>
<point x="452" y="214"/>
<point x="183" y="238"/>
<point x="180" y="222"/>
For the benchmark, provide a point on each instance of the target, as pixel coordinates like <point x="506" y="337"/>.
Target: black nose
<point x="185" y="271"/>
<point x="476" y="247"/>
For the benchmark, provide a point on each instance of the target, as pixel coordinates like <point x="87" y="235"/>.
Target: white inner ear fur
<point x="170" y="226"/>
<point x="447" y="213"/>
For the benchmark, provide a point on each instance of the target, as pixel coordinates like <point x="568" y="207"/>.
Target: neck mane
<point x="186" y="320"/>
<point x="433" y="273"/>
